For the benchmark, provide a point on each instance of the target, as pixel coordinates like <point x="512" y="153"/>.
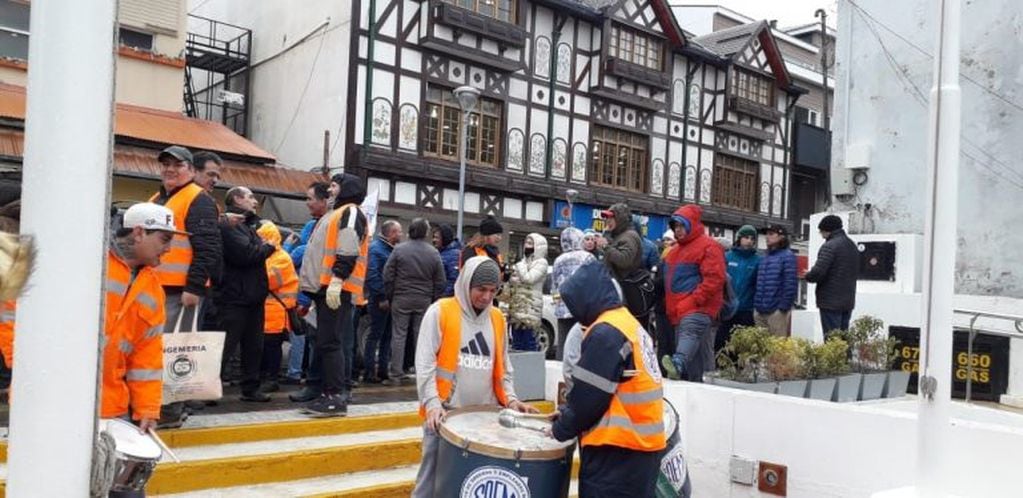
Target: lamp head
<point x="467" y="97"/>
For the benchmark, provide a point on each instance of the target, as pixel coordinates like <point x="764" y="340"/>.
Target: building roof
<point x="158" y="127"/>
<point x="729" y="41"/>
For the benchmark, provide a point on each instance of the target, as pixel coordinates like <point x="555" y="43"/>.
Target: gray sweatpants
<point x="404" y="326"/>
<point x="427" y="465"/>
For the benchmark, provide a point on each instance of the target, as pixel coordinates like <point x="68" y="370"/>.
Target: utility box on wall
<point x="877" y="261"/>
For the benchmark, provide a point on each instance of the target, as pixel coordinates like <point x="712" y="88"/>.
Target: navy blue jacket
<point x="776" y="281"/>
<point x="743" y="265"/>
<point x="379" y="251"/>
<point x="449" y="256"/>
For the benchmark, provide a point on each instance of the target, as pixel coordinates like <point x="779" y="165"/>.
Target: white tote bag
<point x="191" y="363"/>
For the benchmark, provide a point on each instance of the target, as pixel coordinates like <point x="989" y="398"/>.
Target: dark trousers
<point x="564" y="325"/>
<point x="244" y="326"/>
<point x="335" y="335"/>
<point x="313" y="367"/>
<point x="834" y="320"/>
<point x="666" y="338"/>
<point x="271" y="364"/>
<point x="613" y="472"/>
<point x="523" y="339"/>
<point x="741" y="318"/>
<point x="377" y="355"/>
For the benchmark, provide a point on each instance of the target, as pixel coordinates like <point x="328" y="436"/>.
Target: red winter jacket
<point x="694" y="270"/>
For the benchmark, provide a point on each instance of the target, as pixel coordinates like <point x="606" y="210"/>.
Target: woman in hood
<point x="572" y="257"/>
<point x="590" y="237"/>
<point x="526" y="292"/>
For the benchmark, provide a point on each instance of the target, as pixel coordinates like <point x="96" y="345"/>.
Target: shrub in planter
<point x="784" y="364"/>
<point x="822" y="363"/>
<point x="742" y="359"/>
<point x="872" y="354"/>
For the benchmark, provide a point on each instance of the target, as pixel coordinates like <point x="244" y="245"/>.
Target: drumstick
<point x="163" y="446"/>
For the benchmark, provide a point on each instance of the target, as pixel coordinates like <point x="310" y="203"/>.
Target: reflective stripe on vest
<point x="635" y="417"/>
<point x="450" y="323"/>
<point x="173" y="269"/>
<point x="354" y="283"/>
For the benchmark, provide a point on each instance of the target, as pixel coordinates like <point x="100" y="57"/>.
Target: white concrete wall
<point x="881" y="101"/>
<point x="277" y="85"/>
<point x="833" y="449"/>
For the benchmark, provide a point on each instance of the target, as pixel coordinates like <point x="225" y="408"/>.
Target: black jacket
<point x="835" y="273"/>
<point x="244" y="281"/>
<point x="201" y="224"/>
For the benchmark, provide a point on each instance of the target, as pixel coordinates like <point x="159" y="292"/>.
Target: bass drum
<point x="478" y="457"/>
<point x="673" y="480"/>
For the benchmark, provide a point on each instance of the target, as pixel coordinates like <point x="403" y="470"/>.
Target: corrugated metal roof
<point x="156" y="126"/>
<point x="136" y="161"/>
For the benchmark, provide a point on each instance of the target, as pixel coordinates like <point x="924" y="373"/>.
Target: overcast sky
<point x="787" y="12"/>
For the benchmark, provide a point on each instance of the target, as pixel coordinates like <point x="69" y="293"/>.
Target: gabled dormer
<point x="489" y="32"/>
<point x="757" y="76"/>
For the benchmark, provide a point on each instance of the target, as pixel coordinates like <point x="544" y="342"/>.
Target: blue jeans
<point x="524" y="340"/>
<point x="377" y="355"/>
<point x="296" y="355"/>
<point x="694" y="352"/>
<point x="834" y="320"/>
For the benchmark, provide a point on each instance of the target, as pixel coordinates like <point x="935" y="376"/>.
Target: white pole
<point x="939" y="258"/>
<point x="66" y="183"/>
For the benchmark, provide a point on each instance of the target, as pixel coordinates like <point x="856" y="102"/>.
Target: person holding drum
<point x="462" y="358"/>
<point x="615" y="406"/>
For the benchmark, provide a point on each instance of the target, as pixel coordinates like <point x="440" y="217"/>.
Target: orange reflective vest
<point x="635" y="417"/>
<point x="480" y="251"/>
<point x="283" y="280"/>
<point x="450" y="342"/>
<point x="7" y="309"/>
<point x="355" y="281"/>
<point x="173" y="269"/>
<point x="132" y="342"/>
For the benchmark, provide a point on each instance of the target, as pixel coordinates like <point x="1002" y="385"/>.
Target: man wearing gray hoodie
<point x="462" y="359"/>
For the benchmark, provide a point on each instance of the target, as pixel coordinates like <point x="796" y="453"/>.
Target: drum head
<point x="670" y="419"/>
<point x="477" y="429"/>
<point x="129" y="441"/>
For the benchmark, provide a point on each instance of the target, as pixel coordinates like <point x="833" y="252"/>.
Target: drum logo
<point x="649" y="356"/>
<point x="494" y="482"/>
<point x="181" y="368"/>
<point x="673" y="467"/>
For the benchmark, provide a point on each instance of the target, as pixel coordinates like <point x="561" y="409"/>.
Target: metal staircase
<point x="217" y="59"/>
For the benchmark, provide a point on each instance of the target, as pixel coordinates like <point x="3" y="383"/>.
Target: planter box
<point x="763" y="387"/>
<point x="822" y="389"/>
<point x="796" y="388"/>
<point x="872" y="385"/>
<point x="897" y="383"/>
<point x="847" y="388"/>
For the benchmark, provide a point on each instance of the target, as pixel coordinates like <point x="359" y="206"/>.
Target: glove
<point x="334" y="293"/>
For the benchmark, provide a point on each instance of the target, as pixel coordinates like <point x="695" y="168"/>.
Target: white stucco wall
<point x="881" y="102"/>
<point x="277" y="84"/>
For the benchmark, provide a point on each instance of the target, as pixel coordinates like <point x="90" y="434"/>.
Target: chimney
<point x="773" y="23"/>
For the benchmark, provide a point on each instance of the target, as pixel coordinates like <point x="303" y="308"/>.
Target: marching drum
<point x="673" y="480"/>
<point x="480" y="458"/>
<point x="136" y="455"/>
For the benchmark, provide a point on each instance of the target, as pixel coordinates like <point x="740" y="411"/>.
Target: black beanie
<point x="490" y="226"/>
<point x="830" y="223"/>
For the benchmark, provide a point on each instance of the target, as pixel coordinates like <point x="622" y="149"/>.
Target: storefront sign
<point x="586" y="216"/>
<point x="989" y="361"/>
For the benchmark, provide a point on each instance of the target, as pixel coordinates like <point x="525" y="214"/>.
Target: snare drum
<point x="479" y="457"/>
<point x="136" y="455"/>
<point x="673" y="479"/>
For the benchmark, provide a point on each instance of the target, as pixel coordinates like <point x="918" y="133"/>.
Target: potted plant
<point x="741" y="361"/>
<point x="823" y="363"/>
<point x="784" y="364"/>
<point x="872" y="355"/>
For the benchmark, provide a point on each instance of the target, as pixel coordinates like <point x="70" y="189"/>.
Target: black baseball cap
<point x="177" y="152"/>
<point x="778" y="229"/>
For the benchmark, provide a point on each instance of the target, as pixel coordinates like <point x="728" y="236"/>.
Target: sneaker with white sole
<point x="328" y="405"/>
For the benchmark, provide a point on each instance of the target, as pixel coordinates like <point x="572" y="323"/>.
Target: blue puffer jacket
<point x="449" y="256"/>
<point x="742" y="269"/>
<point x="776" y="281"/>
<point x="379" y="251"/>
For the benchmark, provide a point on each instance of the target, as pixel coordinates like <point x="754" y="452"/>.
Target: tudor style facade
<point x="634" y="111"/>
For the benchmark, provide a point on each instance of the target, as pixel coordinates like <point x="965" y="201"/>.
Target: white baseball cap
<point x="151" y="216"/>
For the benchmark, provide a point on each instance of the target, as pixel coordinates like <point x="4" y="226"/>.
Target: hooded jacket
<point x="413" y="276"/>
<point x="472" y="383"/>
<point x="742" y="270"/>
<point x="527" y="281"/>
<point x="245" y="256"/>
<point x="379" y="250"/>
<point x="282" y="282"/>
<point x="624" y="252"/>
<point x="352" y="191"/>
<point x="572" y="257"/>
<point x="451" y="250"/>
<point x="651" y="257"/>
<point x="694" y="270"/>
<point x="835" y="273"/>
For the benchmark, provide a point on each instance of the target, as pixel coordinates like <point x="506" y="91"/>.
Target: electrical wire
<point x="301" y="97"/>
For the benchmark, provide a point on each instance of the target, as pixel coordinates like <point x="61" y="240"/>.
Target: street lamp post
<point x="570" y="196"/>
<point x="467" y="97"/>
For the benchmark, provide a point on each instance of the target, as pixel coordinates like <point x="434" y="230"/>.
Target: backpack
<point x="639" y="291"/>
<point x="731" y="302"/>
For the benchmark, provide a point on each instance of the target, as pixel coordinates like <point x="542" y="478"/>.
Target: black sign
<point x="990" y="361"/>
